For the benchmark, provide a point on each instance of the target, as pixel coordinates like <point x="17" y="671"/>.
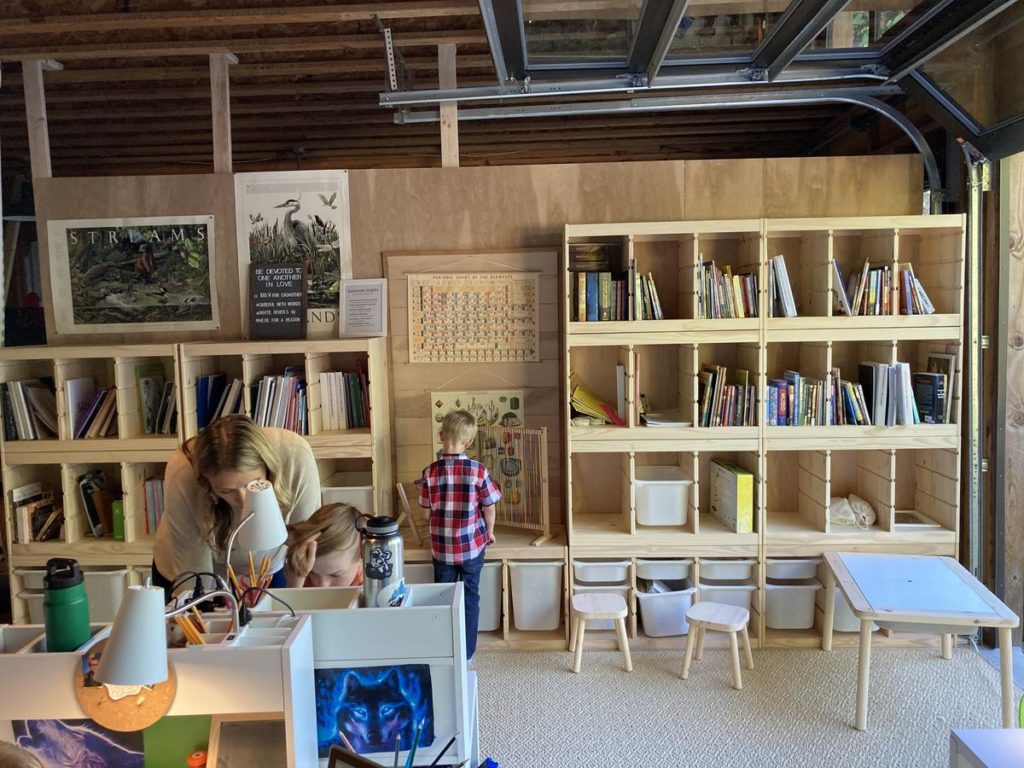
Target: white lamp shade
<point x="136" y="652"/>
<point x="262" y="525"/>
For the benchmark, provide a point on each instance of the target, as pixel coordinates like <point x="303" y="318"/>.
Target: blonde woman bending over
<point x="205" y="489"/>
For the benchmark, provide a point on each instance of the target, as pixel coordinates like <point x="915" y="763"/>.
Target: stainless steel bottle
<point x="382" y="557"/>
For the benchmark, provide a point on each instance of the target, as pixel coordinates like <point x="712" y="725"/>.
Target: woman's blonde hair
<point x="232" y="443"/>
<point x="336" y="524"/>
<point x="458" y="427"/>
<point x="13" y="756"/>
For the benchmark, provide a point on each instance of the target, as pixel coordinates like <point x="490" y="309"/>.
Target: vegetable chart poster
<point x="474" y="317"/>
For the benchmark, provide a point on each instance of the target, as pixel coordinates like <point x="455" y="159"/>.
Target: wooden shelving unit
<point x="796" y="469"/>
<point x="132" y="456"/>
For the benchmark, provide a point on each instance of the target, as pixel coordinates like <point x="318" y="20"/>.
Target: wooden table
<point x="918" y="593"/>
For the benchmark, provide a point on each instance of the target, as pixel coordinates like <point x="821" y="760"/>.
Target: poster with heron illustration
<point x="133" y="275"/>
<point x="297" y="216"/>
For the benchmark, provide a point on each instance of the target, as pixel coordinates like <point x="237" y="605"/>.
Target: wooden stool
<point x="598" y="605"/>
<point x="721" y="618"/>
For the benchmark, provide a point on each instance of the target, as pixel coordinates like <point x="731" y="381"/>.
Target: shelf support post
<point x="220" y="107"/>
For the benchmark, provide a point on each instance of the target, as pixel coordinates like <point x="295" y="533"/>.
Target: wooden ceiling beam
<point x="174" y="49"/>
<point x="325" y="12"/>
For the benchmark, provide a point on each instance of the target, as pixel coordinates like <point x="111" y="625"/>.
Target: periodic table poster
<point x="474" y="317"/>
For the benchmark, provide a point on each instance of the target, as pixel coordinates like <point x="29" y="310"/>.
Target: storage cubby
<point x="100" y="370"/>
<point x="735" y="253"/>
<point x="596" y="369"/>
<point x="134" y="476"/>
<point x="734" y="358"/>
<point x="937" y="356"/>
<point x="666" y="377"/>
<point x="50" y="479"/>
<point x="664" y="498"/>
<point x="707" y="524"/>
<point x="318" y="363"/>
<point x="851" y="248"/>
<point x="811" y="361"/>
<point x="670" y="261"/>
<point x="136" y="377"/>
<point x="806" y="257"/>
<point x="195" y="366"/>
<point x="868" y="475"/>
<point x="936" y="253"/>
<point x="927" y="493"/>
<point x="600" y="495"/>
<point x="796" y="495"/>
<point x="75" y="517"/>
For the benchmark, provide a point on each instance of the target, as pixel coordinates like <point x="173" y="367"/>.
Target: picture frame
<point x="251" y="740"/>
<point x="138" y="275"/>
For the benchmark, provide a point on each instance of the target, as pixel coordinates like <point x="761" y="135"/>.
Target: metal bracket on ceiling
<point x="390" y="51"/>
<point x="394" y="57"/>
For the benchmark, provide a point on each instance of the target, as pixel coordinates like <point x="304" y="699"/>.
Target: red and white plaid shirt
<point x="455" y="489"/>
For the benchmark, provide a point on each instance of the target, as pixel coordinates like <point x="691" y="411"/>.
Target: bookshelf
<point x="132" y="456"/>
<point x="909" y="473"/>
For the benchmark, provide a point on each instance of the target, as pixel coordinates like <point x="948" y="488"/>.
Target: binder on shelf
<point x="732" y="495"/>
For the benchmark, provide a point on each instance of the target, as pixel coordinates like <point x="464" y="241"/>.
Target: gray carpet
<point x="795" y="710"/>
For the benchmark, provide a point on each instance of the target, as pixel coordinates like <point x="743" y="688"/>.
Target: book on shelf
<point x="153" y="498"/>
<point x="80" y="394"/>
<point x="911" y="518"/>
<point x="97" y="502"/>
<point x="841" y="299"/>
<point x="209" y="388"/>
<point x="587" y="403"/>
<point x="930" y="396"/>
<point x="673" y="417"/>
<point x="874" y="381"/>
<point x="105" y="415"/>
<point x="150" y="381"/>
<point x="784" y="290"/>
<point x="720" y="293"/>
<point x="944" y="363"/>
<point x="46" y="518"/>
<point x="731" y="495"/>
<point x="620" y="390"/>
<point x="915" y="299"/>
<point x="594" y="257"/>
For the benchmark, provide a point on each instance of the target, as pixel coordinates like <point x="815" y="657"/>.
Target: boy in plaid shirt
<point x="459" y="497"/>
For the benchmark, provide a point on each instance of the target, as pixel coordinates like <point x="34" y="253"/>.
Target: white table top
<point x="918" y="588"/>
<point x="992" y="747"/>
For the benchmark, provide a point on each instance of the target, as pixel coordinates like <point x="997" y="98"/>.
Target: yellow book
<point x="732" y="496"/>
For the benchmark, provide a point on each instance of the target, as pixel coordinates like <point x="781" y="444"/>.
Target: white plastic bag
<point x="852" y="510"/>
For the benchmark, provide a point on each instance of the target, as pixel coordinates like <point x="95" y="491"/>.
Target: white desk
<point x="919" y="593"/>
<point x="986" y="748"/>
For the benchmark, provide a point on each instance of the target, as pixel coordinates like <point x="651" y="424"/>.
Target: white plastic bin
<point x="600" y="571"/>
<point x="418" y="573"/>
<point x="31" y="578"/>
<point x="843" y="619"/>
<point x="662" y="495"/>
<point x="621" y="591"/>
<point x="105" y="589"/>
<point x="663" y="614"/>
<point x="663" y="569"/>
<point x="728" y="592"/>
<point x="355" y="488"/>
<point x="791" y="568"/>
<point x="34" y="601"/>
<point x="490" y="598"/>
<point x="536" y="594"/>
<point x="727" y="570"/>
<point x="790" y="605"/>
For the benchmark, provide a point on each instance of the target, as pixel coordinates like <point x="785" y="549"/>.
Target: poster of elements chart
<point x="474" y="317"/>
<point x="147" y="274"/>
<point x="293" y="216"/>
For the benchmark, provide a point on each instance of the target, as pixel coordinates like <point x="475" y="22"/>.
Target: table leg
<point x="1006" y="676"/>
<point x="830" y="610"/>
<point x="863" y="671"/>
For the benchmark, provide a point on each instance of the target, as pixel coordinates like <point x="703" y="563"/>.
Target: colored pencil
<point x="415" y="743"/>
<point x="398" y="748"/>
<point x="252" y="570"/>
<point x="446" y="748"/>
<point x="346" y="742"/>
<point x="200" y="624"/>
<point x="234" y="580"/>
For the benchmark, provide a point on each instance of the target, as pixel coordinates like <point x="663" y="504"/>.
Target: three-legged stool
<point x="720" y="618"/>
<point x="597" y="605"/>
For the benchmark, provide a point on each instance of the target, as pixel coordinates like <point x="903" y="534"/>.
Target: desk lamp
<point x="261" y="511"/>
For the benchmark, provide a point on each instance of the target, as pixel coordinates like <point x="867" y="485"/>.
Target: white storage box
<point x="728" y="592"/>
<point x="622" y="592"/>
<point x="34" y="601"/>
<point x="791" y="568"/>
<point x="490" y="598"/>
<point x="663" y="614"/>
<point x="843" y="619"/>
<point x="31" y="578"/>
<point x="105" y="590"/>
<point x="790" y="605"/>
<point x="727" y="570"/>
<point x="536" y="594"/>
<point x="600" y="571"/>
<point x="662" y="495"/>
<point x="355" y="488"/>
<point x="663" y="569"/>
<point x="418" y="573"/>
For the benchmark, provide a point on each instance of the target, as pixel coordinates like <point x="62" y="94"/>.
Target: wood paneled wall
<point x="509" y="207"/>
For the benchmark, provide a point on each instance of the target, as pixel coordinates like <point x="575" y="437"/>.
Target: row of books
<point x="344" y="400"/>
<point x="154" y="500"/>
<point x="29" y="409"/>
<point x="280" y="401"/>
<point x="158" y="403"/>
<point x="600" y="296"/>
<point x="720" y="293"/>
<point x="871" y="291"/>
<point x="215" y="398"/>
<point x="726" y="403"/>
<point x="38" y="516"/>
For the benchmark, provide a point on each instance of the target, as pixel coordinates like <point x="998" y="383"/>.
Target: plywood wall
<point x="509" y="207"/>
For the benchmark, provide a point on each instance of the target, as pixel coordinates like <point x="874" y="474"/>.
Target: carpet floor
<point x="796" y="709"/>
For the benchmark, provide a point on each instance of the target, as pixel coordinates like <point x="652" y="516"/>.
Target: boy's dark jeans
<point x="469" y="574"/>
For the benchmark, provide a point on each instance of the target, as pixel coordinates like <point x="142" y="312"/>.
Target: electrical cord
<point x="265" y="591"/>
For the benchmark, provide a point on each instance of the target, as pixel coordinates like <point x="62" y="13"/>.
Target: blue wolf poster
<point x="78" y="744"/>
<point x="373" y="706"/>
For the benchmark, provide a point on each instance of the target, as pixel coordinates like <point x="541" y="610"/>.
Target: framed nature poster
<point x="297" y="216"/>
<point x="133" y="275"/>
<point x="504" y="408"/>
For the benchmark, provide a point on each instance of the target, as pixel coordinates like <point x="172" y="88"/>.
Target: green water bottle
<point x="65" y="605"/>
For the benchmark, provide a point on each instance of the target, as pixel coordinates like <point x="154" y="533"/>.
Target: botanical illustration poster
<point x="503" y="408"/>
<point x="474" y="317"/>
<point x="292" y="216"/>
<point x="146" y="274"/>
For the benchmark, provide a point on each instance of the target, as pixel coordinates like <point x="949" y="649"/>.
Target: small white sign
<point x="363" y="308"/>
